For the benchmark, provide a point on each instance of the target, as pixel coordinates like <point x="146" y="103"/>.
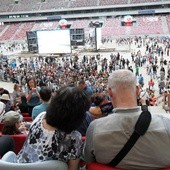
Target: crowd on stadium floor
<point x="37" y="80"/>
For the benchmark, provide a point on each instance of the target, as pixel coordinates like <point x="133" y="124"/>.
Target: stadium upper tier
<point x="112" y="26"/>
<point x="36" y="5"/>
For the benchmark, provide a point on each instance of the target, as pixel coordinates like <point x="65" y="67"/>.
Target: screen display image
<point x="54" y="41"/>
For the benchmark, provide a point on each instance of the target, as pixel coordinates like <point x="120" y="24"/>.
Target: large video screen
<point x="54" y="41"/>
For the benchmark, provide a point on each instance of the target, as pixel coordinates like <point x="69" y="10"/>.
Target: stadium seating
<point x="112" y="2"/>
<point x="83" y="3"/>
<point x="80" y="23"/>
<point x="111" y="26"/>
<point x="144" y="1"/>
<point x="1" y="126"/>
<point x="28" y="119"/>
<point x="8" y="34"/>
<point x="22" y="30"/>
<point x="53" y="4"/>
<point x="36" y="5"/>
<point x="83" y="138"/>
<point x="18" y="142"/>
<point x="168" y="22"/>
<point x="27" y="5"/>
<point x="147" y="25"/>
<point x="44" y="25"/>
<point x="98" y="166"/>
<point x="25" y="114"/>
<point x="6" y="6"/>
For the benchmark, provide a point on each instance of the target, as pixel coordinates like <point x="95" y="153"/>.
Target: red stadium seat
<point x="83" y="138"/>
<point x="28" y="119"/>
<point x="98" y="166"/>
<point x="1" y="126"/>
<point x="25" y="115"/>
<point x="82" y="163"/>
<point x="19" y="141"/>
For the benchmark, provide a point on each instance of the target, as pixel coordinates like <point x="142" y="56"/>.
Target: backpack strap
<point x="141" y="127"/>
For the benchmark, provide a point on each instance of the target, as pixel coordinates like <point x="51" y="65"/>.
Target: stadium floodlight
<point x="96" y="38"/>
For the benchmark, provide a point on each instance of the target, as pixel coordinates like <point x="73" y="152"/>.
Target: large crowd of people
<point x="103" y="95"/>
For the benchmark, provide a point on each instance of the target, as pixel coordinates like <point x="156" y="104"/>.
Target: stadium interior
<point x="19" y="16"/>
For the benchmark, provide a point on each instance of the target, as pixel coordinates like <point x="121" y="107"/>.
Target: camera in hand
<point x="106" y="108"/>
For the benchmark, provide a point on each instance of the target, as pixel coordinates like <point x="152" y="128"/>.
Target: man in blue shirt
<point x="45" y="95"/>
<point x="88" y="89"/>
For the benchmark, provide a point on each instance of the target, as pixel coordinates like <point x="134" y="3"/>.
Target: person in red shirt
<point x="151" y="84"/>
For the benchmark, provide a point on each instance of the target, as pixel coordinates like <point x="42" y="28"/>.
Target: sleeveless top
<point x="42" y="144"/>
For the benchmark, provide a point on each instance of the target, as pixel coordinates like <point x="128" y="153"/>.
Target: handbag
<point x="140" y="129"/>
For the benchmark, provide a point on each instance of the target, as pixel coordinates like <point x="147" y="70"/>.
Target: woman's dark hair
<point x="10" y="130"/>
<point x="66" y="110"/>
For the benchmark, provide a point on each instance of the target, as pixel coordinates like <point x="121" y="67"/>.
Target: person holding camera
<point x="32" y="95"/>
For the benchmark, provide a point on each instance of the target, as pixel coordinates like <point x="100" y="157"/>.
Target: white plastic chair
<point x="8" y="162"/>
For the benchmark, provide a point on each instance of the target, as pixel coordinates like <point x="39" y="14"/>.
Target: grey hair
<point x="124" y="79"/>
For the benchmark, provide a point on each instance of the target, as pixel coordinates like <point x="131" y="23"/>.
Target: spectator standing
<point x="161" y="85"/>
<point x="137" y="70"/>
<point x="154" y="68"/>
<point x="151" y="84"/>
<point x="141" y="80"/>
